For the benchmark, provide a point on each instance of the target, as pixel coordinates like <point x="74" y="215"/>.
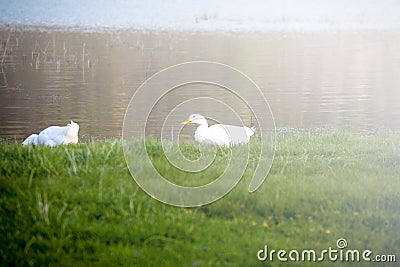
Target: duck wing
<point x="233" y="135"/>
<point x="52" y="136"/>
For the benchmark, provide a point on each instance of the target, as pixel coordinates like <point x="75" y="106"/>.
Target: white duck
<point x="55" y="135"/>
<point x="219" y="134"/>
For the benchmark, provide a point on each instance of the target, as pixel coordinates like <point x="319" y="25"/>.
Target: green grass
<point x="79" y="206"/>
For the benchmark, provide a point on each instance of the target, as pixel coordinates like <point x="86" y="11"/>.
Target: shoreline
<point x="280" y="132"/>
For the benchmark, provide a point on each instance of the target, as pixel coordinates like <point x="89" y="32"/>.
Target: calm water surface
<point x="342" y="80"/>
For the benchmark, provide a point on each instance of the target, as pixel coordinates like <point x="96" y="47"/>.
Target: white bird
<point x="55" y="135"/>
<point x="219" y="134"/>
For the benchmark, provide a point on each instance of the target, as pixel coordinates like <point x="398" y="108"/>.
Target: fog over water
<point x="255" y="15"/>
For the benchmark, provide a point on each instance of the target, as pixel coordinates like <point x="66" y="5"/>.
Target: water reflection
<point x="339" y="80"/>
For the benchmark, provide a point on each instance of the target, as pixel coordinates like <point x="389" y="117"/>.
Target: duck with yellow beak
<point x="219" y="134"/>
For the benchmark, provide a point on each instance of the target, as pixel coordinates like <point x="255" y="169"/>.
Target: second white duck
<point x="219" y="134"/>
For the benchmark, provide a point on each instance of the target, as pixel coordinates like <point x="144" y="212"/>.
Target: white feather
<point x="219" y="134"/>
<point x="30" y="140"/>
<point x="55" y="135"/>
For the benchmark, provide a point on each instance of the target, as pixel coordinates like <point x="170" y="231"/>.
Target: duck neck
<point x="201" y="131"/>
<point x="202" y="124"/>
<point x="72" y="134"/>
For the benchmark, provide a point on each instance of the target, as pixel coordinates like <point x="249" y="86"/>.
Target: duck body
<point x="219" y="134"/>
<point x="55" y="135"/>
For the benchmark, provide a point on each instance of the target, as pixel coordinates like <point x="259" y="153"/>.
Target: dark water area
<point x="340" y="79"/>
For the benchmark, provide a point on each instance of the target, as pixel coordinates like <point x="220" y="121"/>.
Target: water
<point x="206" y="15"/>
<point x="334" y="79"/>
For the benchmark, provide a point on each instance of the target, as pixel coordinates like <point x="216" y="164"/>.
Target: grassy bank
<point x="78" y="205"/>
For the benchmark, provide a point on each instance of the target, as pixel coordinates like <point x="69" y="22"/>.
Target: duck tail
<point x="252" y="125"/>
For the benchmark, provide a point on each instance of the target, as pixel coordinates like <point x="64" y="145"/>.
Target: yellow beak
<point x="186" y="122"/>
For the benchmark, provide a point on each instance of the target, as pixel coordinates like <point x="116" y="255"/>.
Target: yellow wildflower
<point x="327" y="231"/>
